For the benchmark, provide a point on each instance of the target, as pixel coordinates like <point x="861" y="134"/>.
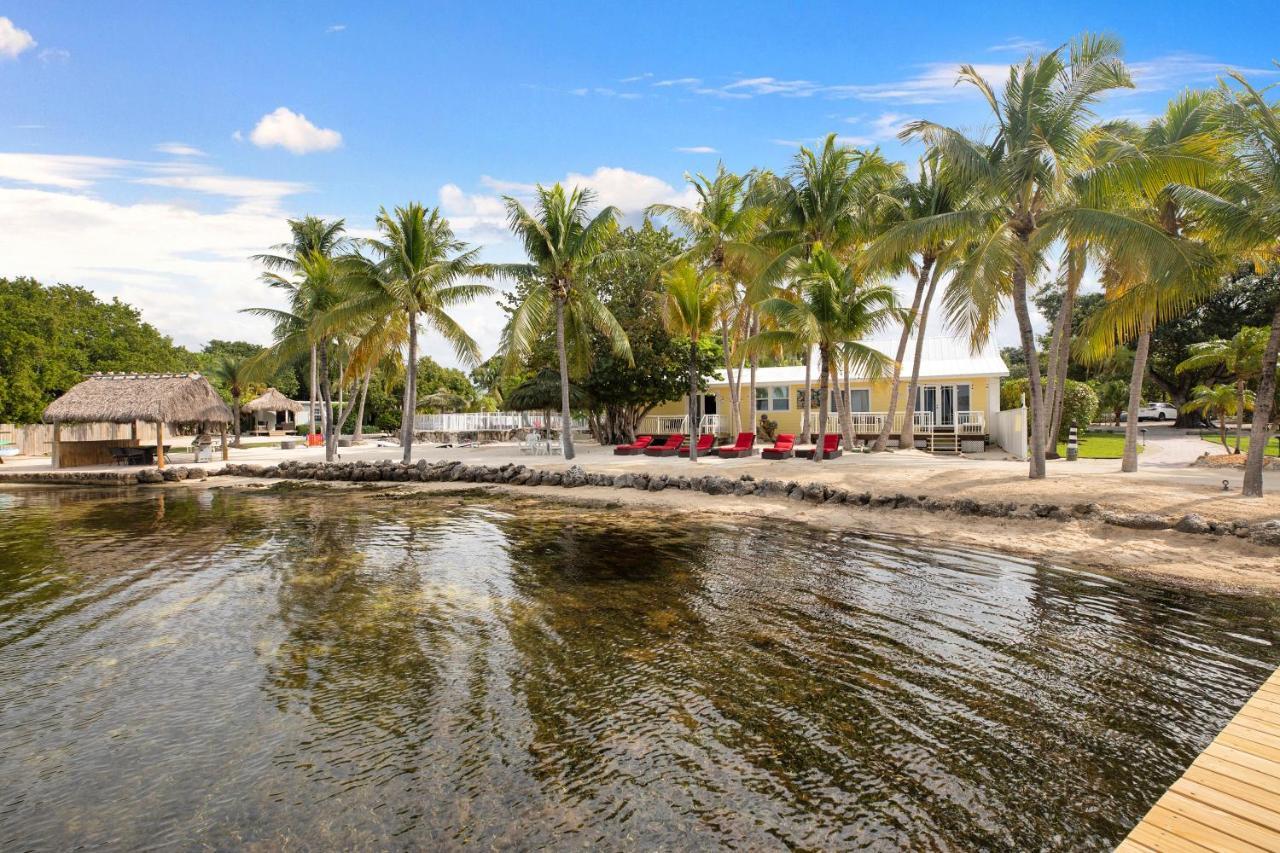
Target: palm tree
<point x="1135" y="171"/>
<point x="309" y="236"/>
<point x="236" y="373"/>
<point x="833" y="309"/>
<point x="690" y="310"/>
<point x="561" y="241"/>
<point x="1220" y="402"/>
<point x="415" y="276"/>
<point x="933" y="194"/>
<point x="315" y="291"/>
<point x="722" y="227"/>
<point x="1243" y="210"/>
<point x="831" y="196"/>
<point x="1021" y="175"/>
<point x="1240" y="357"/>
<point x="1025" y="196"/>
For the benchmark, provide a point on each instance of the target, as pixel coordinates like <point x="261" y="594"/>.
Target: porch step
<point x="944" y="442"/>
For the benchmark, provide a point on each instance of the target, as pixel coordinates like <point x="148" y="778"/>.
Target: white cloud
<point x="698" y="149"/>
<point x="635" y="78"/>
<point x="186" y="270"/>
<point x="179" y="149"/>
<point x="888" y="125"/>
<point x="252" y="192"/>
<point x="13" y="41"/>
<point x="680" y="81"/>
<point x="335" y="28"/>
<point x="293" y="132"/>
<point x="58" y="170"/>
<point x="54" y="56"/>
<point x="1017" y="45"/>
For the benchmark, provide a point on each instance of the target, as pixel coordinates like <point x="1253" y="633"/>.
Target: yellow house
<point x="959" y="396"/>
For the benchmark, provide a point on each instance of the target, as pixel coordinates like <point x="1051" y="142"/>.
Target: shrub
<point x="1079" y="403"/>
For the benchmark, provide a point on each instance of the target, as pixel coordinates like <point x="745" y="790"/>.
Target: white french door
<point x="942" y="402"/>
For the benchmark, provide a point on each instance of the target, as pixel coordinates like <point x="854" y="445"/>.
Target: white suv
<point x="1155" y="412"/>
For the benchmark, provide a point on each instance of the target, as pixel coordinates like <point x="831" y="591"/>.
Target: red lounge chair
<point x="784" y="447"/>
<point x="667" y="448"/>
<point x="632" y="449"/>
<point x="830" y="448"/>
<point x="744" y="446"/>
<point x="704" y="445"/>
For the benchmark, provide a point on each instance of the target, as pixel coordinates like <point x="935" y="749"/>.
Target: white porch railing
<point x="676" y="424"/>
<point x="922" y="423"/>
<point x="489" y="422"/>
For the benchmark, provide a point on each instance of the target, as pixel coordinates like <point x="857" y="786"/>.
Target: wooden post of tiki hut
<point x="178" y="399"/>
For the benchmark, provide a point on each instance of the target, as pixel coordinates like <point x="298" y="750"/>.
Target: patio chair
<point x="668" y="448"/>
<point x="784" y="447"/>
<point x="531" y="442"/>
<point x="633" y="449"/>
<point x="120" y="455"/>
<point x="830" y="448"/>
<point x="744" y="446"/>
<point x="704" y="445"/>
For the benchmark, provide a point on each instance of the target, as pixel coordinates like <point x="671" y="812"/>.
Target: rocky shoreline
<point x="1264" y="532"/>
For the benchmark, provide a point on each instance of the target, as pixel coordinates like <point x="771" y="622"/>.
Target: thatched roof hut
<point x="122" y="398"/>
<point x="272" y="400"/>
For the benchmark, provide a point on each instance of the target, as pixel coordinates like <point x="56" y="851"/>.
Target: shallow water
<point x="316" y="671"/>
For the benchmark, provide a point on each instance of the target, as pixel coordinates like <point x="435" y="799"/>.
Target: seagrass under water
<point x="337" y="671"/>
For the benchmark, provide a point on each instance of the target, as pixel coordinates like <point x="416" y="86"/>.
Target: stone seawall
<point x="1266" y="532"/>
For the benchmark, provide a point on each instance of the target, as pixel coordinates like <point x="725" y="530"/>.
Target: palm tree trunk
<point x="824" y="388"/>
<point x="907" y="438"/>
<point x="693" y="399"/>
<point x="808" y="389"/>
<point x="735" y="413"/>
<point x="1027" y="335"/>
<point x="410" y="391"/>
<point x="1262" y="412"/>
<point x="566" y="419"/>
<point x="311" y="413"/>
<point x="1060" y="350"/>
<point x="1222" y="433"/>
<point x="755" y="365"/>
<point x="326" y="403"/>
<point x="1129" y="463"/>
<point x="882" y="440"/>
<point x="364" y="392"/>
<point x="236" y="414"/>
<point x="844" y="408"/>
<point x="1239" y="411"/>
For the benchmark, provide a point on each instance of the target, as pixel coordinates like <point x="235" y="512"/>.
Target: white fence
<point x="489" y="422"/>
<point x="677" y="424"/>
<point x="1009" y="430"/>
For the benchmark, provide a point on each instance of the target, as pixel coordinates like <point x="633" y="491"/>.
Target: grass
<point x="1098" y="445"/>
<point x="1213" y="438"/>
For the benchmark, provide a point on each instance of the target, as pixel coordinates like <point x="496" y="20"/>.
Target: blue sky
<point x="146" y="149"/>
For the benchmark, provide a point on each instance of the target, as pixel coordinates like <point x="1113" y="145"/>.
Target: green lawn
<point x="1099" y="445"/>
<point x="1213" y="438"/>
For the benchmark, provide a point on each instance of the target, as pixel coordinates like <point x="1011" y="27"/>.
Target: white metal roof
<point x="940" y="357"/>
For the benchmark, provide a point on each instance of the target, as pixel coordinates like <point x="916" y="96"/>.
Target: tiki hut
<point x="272" y="412"/>
<point x="180" y="399"/>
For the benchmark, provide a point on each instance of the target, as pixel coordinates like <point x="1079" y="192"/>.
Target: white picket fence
<point x="677" y="425"/>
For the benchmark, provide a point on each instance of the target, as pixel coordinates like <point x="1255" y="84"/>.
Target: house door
<point x="946" y="406"/>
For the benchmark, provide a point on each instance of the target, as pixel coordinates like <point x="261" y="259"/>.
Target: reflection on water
<point x="323" y="671"/>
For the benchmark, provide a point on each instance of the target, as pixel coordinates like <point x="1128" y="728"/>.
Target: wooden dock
<point x="1229" y="798"/>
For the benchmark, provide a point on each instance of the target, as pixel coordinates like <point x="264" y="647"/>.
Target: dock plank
<point x="1229" y="798"/>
